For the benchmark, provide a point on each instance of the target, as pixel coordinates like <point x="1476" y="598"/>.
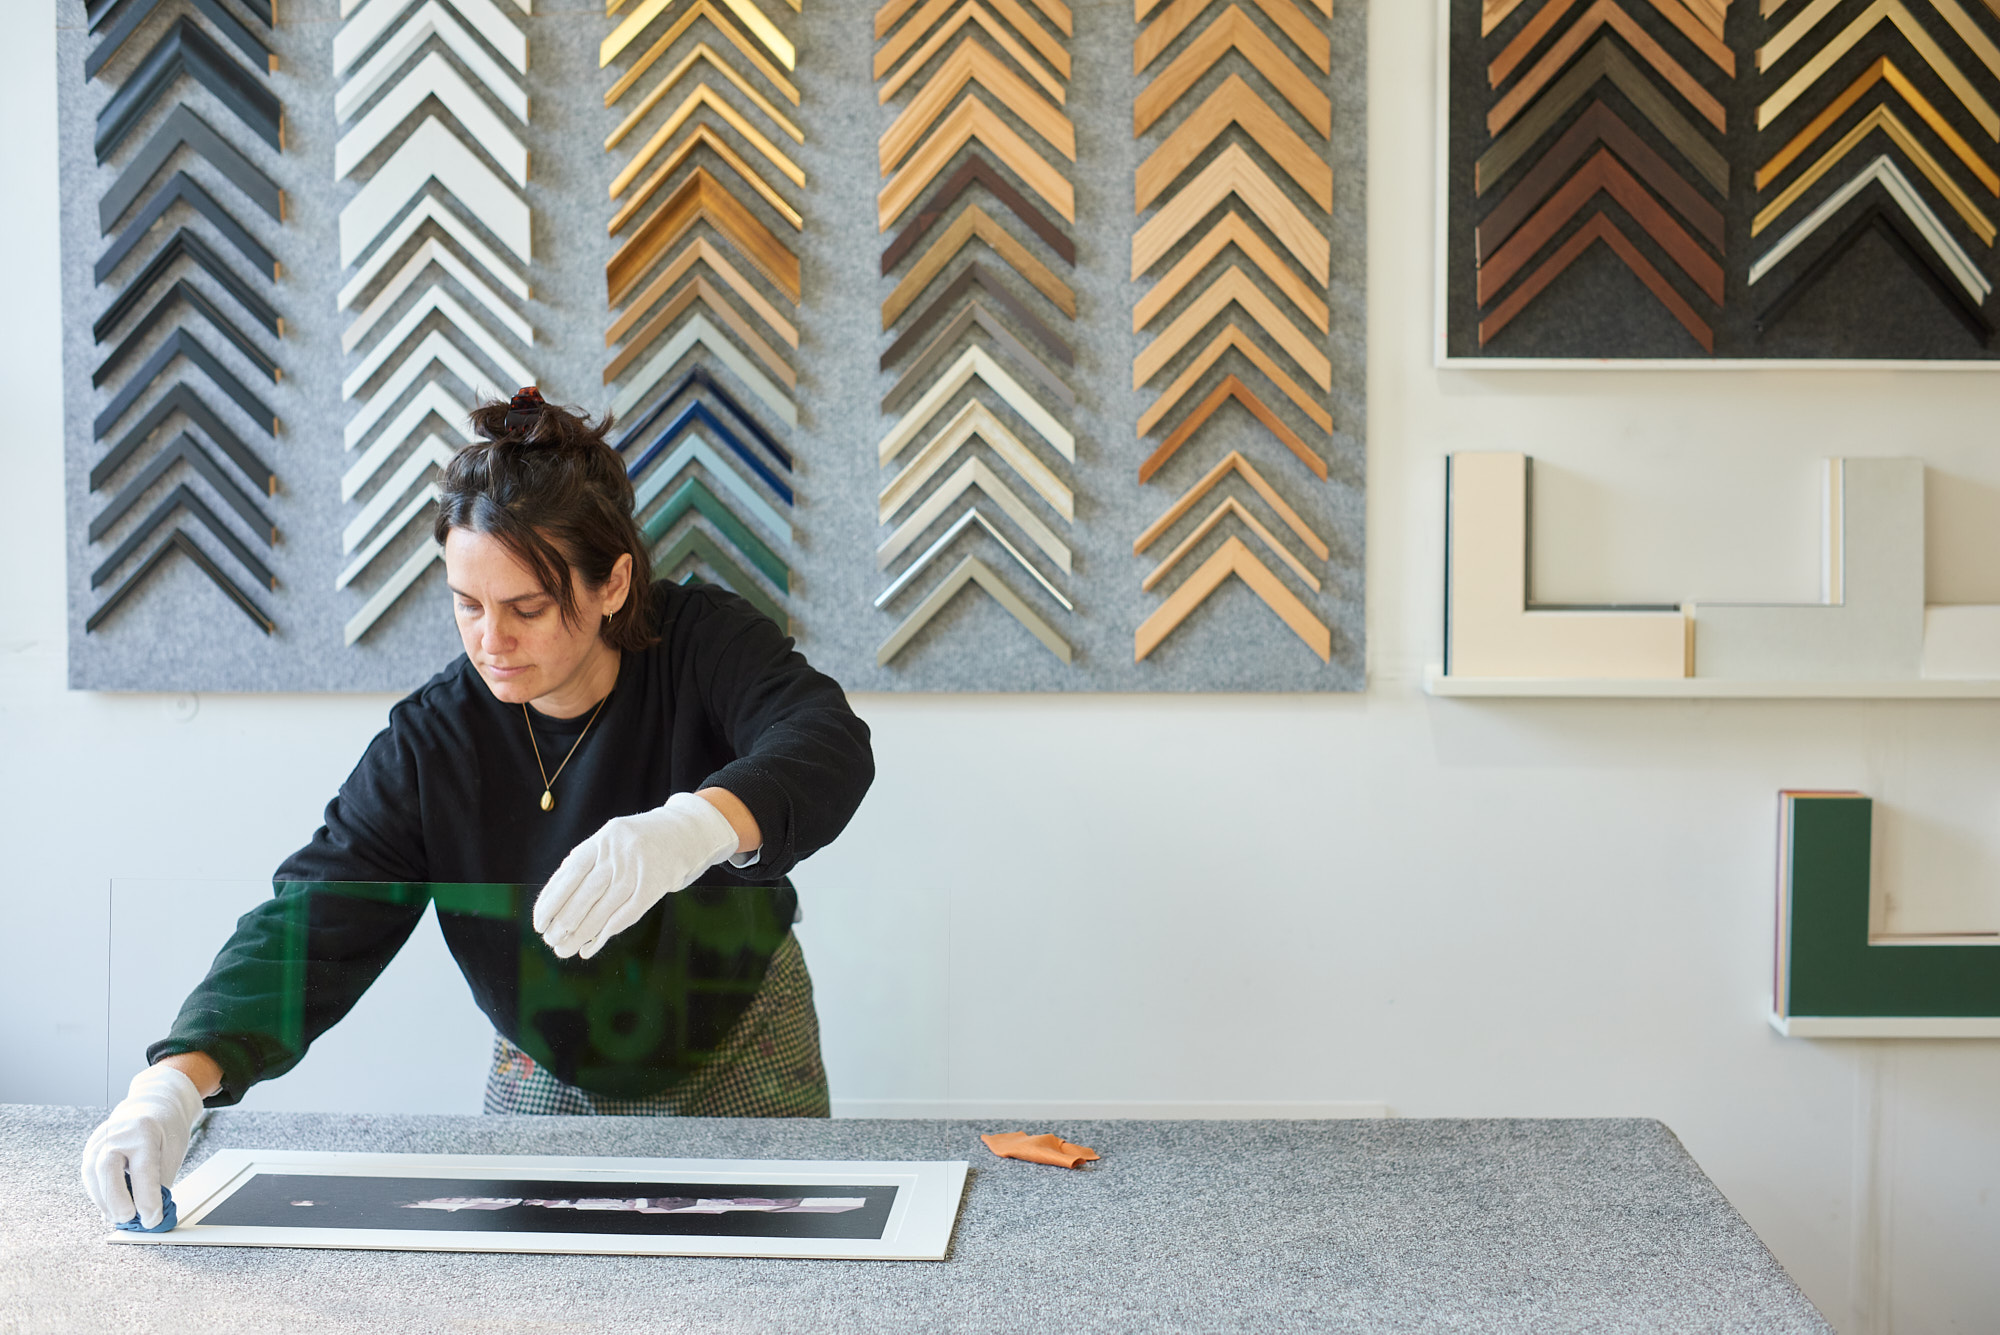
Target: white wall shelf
<point x="1886" y="1026"/>
<point x="1702" y="688"/>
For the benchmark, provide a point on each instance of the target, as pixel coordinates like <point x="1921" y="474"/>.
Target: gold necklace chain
<point x="548" y="779"/>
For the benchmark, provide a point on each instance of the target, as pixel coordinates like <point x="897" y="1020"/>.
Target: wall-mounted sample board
<point x="1719" y="180"/>
<point x="985" y="346"/>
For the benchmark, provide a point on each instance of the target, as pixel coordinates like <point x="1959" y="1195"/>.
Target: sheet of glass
<point x="419" y="1038"/>
<point x="538" y="1203"/>
<point x="414" y="1043"/>
<point x="259" y="981"/>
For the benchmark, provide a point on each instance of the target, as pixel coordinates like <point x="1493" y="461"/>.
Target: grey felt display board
<point x="1868" y="304"/>
<point x="179" y="632"/>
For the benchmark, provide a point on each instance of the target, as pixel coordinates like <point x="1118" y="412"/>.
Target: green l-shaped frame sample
<point x="1834" y="969"/>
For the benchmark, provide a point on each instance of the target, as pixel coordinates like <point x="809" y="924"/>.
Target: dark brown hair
<point x="544" y="481"/>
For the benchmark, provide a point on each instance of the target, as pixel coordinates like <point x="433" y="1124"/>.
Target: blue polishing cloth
<point x="167" y="1219"/>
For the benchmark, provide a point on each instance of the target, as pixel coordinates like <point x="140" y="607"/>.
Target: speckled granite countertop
<point x="1350" y="1226"/>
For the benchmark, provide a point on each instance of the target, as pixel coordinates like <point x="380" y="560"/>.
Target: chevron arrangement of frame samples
<point x="982" y="344"/>
<point x="184" y="330"/>
<point x="1117" y="443"/>
<point x="1736" y="180"/>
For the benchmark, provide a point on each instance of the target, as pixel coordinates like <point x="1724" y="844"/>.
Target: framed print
<point x="543" y="1203"/>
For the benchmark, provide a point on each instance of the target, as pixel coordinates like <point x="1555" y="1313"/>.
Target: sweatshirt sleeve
<point x="803" y="759"/>
<point x="298" y="962"/>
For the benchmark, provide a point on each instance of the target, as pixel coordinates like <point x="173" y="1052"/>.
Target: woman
<point x="616" y="738"/>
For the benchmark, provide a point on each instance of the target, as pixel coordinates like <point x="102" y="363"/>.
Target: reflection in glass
<point x="652" y="1204"/>
<point x="640" y="1017"/>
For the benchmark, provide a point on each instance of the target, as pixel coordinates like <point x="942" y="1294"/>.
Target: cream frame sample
<point x="918" y="1227"/>
<point x="1493" y="627"/>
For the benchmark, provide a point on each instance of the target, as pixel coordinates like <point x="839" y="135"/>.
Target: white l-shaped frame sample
<point x="1869" y="622"/>
<point x="1962" y="643"/>
<point x="1494" y="629"/>
<point x="1869" y="634"/>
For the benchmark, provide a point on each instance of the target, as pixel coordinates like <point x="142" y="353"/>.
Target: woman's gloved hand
<point x="611" y="879"/>
<point x="145" y="1139"/>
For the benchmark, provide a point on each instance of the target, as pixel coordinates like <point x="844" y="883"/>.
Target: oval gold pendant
<point x="548" y="800"/>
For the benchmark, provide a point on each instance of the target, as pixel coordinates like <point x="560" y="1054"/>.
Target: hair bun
<point x="524" y="410"/>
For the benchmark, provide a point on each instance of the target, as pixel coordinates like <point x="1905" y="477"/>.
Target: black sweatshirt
<point x="449" y="795"/>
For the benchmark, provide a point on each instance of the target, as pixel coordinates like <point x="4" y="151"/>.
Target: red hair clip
<point x="524" y="409"/>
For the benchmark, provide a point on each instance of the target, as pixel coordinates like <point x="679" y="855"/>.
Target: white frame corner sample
<point x="1869" y="622"/>
<point x="919" y="1226"/>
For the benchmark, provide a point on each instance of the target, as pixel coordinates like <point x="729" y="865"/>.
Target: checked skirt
<point x="768" y="1066"/>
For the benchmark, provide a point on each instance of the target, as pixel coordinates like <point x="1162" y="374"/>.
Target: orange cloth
<point x="1039" y="1149"/>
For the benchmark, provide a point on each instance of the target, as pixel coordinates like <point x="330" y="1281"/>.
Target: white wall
<point x="1458" y="908"/>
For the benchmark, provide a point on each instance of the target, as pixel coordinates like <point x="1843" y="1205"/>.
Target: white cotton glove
<point x="611" y="879"/>
<point x="146" y="1136"/>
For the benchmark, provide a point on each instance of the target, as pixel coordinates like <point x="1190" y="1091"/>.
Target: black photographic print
<point x="489" y="1205"/>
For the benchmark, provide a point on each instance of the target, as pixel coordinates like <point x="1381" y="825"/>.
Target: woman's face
<point x="513" y="630"/>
